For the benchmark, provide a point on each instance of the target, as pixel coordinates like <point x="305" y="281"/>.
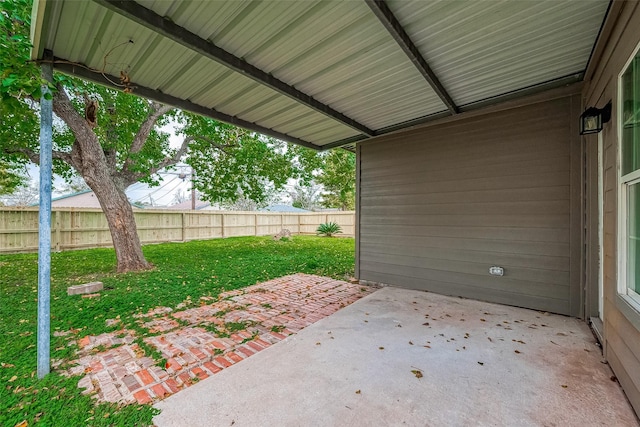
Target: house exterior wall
<point x="621" y="322"/>
<point x="441" y="204"/>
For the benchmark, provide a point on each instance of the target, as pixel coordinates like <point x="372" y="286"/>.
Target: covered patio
<point x="473" y="181"/>
<point x="405" y="357"/>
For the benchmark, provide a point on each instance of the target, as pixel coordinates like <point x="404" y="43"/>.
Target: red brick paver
<point x="200" y="342"/>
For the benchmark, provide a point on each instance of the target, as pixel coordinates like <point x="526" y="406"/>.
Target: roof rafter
<point x="393" y="26"/>
<point x="161" y="25"/>
<point x="107" y="80"/>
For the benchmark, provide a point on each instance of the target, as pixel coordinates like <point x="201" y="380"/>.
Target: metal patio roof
<point x="322" y="73"/>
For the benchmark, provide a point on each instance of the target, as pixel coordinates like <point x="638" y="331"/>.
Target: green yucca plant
<point x="328" y="229"/>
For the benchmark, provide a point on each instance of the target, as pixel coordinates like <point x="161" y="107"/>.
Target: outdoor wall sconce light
<point x="593" y="118"/>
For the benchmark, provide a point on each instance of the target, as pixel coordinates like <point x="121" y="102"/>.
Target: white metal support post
<point x="44" y="226"/>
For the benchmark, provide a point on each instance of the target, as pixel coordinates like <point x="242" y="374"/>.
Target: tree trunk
<point x="122" y="225"/>
<point x="90" y="161"/>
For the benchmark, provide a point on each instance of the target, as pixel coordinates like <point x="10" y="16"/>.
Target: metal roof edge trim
<point x="167" y="28"/>
<point x="525" y="91"/>
<point x="106" y="80"/>
<point x="608" y="24"/>
<point x="38" y="12"/>
<point x="342" y="142"/>
<point x="498" y="104"/>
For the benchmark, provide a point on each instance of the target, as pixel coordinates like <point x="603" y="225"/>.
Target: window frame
<point x="627" y="300"/>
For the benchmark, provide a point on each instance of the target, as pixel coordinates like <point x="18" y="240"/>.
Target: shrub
<point x="328" y="229"/>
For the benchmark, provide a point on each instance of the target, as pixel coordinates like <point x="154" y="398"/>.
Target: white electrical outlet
<point x="496" y="271"/>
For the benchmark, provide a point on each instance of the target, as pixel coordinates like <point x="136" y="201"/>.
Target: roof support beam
<point x="161" y="25"/>
<point x="556" y="88"/>
<point x="391" y="23"/>
<point x="107" y="80"/>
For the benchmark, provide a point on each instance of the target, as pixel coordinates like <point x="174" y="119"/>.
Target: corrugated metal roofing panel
<point x="313" y="45"/>
<point x="482" y="49"/>
<point x="335" y="51"/>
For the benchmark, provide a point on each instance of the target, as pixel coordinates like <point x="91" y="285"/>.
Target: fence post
<point x="57" y="242"/>
<point x="222" y="224"/>
<point x="184" y="227"/>
<point x="299" y="224"/>
<point x="255" y="222"/>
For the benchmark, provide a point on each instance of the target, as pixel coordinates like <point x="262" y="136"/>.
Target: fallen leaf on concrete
<point x="482" y="320"/>
<point x="481" y="363"/>
<point x="411" y="343"/>
<point x="564" y="386"/>
<point x="380" y="348"/>
<point x="317" y="343"/>
<point x="417" y="373"/>
<point x="517" y="351"/>
<point x="358" y="392"/>
<point x="561" y="334"/>
<point x="425" y="324"/>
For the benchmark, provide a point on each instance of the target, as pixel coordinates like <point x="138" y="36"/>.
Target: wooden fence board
<point x="81" y="228"/>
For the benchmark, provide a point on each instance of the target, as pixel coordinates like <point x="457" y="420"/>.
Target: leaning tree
<point x="113" y="139"/>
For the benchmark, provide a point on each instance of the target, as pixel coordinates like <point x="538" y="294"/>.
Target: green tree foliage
<point x="113" y="139"/>
<point x="11" y="178"/>
<point x="233" y="163"/>
<point x="19" y="78"/>
<point x="335" y="170"/>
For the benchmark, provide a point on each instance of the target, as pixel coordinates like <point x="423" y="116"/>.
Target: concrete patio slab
<point x="401" y="357"/>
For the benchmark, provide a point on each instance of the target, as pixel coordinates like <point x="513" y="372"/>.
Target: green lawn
<point x="184" y="272"/>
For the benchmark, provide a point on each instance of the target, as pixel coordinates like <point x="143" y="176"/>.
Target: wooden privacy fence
<point x="79" y="228"/>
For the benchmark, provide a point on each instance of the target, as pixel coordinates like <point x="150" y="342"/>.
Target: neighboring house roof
<point x="81" y="199"/>
<point x="282" y="208"/>
<point x="186" y="205"/>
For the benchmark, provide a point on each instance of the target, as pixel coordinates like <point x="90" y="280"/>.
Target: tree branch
<point x="132" y="177"/>
<point x="221" y="147"/>
<point x="64" y="109"/>
<point x="35" y="157"/>
<point x="157" y="111"/>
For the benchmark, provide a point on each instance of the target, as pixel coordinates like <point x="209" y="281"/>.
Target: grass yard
<point x="184" y="272"/>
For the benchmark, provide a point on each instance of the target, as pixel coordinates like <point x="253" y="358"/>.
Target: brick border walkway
<point x="200" y="342"/>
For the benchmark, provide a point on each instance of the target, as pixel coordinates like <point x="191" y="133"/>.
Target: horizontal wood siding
<point x="440" y="205"/>
<point x="621" y="330"/>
